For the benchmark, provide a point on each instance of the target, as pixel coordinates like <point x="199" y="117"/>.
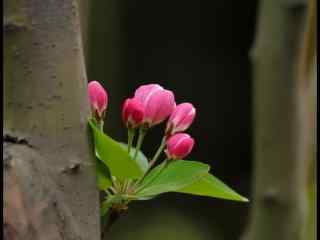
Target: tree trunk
<point x="311" y="152"/>
<point x="279" y="184"/>
<point x="307" y="80"/>
<point x="49" y="180"/>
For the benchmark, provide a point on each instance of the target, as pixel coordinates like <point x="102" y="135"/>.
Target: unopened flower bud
<point x="181" y="118"/>
<point x="98" y="98"/>
<point x="132" y="112"/>
<point x="179" y="146"/>
<point x="158" y="103"/>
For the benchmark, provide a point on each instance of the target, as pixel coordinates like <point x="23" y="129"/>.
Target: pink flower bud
<point x="98" y="98"/>
<point x="145" y="91"/>
<point x="181" y="118"/>
<point x="158" y="103"/>
<point x="179" y="146"/>
<point x="132" y="112"/>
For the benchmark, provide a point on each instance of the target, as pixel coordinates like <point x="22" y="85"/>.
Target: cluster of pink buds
<point x="153" y="102"/>
<point x="179" y="144"/>
<point x="151" y="105"/>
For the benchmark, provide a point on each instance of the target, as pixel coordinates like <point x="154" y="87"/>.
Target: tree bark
<point x="311" y="152"/>
<point x="279" y="184"/>
<point x="49" y="181"/>
<point x="307" y="80"/>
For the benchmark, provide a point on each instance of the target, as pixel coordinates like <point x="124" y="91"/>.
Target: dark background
<point x="199" y="50"/>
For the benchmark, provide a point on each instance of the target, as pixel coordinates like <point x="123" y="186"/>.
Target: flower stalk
<point x="142" y="134"/>
<point x="159" y="151"/>
<point x="131" y="134"/>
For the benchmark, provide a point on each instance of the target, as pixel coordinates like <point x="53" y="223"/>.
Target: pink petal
<point x="144" y="92"/>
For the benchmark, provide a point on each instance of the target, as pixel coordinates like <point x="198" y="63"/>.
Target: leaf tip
<point x="244" y="199"/>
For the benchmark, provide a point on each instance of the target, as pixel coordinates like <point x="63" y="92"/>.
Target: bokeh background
<point x="199" y="50"/>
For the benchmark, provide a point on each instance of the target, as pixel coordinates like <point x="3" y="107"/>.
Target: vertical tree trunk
<point x="307" y="80"/>
<point x="279" y="192"/>
<point x="49" y="180"/>
<point x="311" y="151"/>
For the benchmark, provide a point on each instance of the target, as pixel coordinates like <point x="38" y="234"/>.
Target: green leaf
<point x="172" y="177"/>
<point x="144" y="198"/>
<point x="210" y="186"/>
<point x="141" y="159"/>
<point x="103" y="176"/>
<point x="115" y="156"/>
<point x="151" y="176"/>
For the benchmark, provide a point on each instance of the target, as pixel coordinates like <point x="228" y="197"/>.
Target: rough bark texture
<point x="279" y="193"/>
<point x="49" y="185"/>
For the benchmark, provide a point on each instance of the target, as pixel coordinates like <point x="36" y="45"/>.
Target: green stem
<point x="131" y="133"/>
<point x="112" y="218"/>
<point x="159" y="151"/>
<point x="100" y="124"/>
<point x="115" y="185"/>
<point x="142" y="133"/>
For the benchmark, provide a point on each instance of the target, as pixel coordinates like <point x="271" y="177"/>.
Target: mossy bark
<point x="49" y="186"/>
